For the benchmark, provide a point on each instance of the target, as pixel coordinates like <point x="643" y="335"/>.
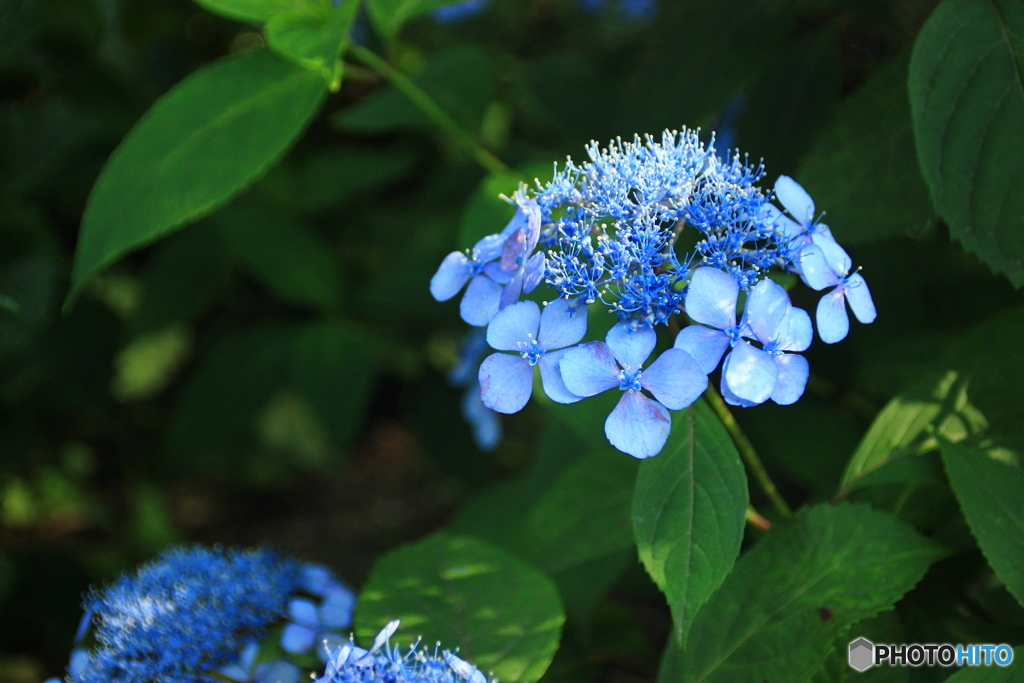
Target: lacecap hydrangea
<point x="607" y="234"/>
<point x="195" y="615"/>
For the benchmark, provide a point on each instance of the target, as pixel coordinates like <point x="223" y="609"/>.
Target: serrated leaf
<point x="688" y="513"/>
<point x="863" y="171"/>
<point x="967" y="97"/>
<point x="502" y="614"/>
<point x="249" y="11"/>
<point x="583" y="516"/>
<point x="776" y="616"/>
<point x="313" y="37"/>
<point x="990" y="488"/>
<point x="201" y="143"/>
<point x="388" y="16"/>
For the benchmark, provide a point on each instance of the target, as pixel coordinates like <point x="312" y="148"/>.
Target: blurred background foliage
<point x="276" y="372"/>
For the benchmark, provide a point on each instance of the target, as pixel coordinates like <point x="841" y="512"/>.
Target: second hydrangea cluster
<point x="608" y="233"/>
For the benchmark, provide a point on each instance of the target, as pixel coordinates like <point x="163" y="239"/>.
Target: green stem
<point x="431" y="108"/>
<point x="746" y="450"/>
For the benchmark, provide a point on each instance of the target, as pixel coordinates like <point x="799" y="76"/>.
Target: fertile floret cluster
<point x="609" y="232"/>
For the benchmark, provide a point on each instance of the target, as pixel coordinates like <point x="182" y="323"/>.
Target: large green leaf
<point x="967" y="97"/>
<point x="389" y="15"/>
<point x="991" y="494"/>
<point x="250" y="11"/>
<point x="688" y="513"/>
<point x="863" y="169"/>
<point x="201" y="143"/>
<point x="776" y="616"/>
<point x="314" y="37"/>
<point x="502" y="614"/>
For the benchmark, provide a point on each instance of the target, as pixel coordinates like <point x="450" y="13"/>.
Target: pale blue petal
<point x="297" y="638"/>
<point x="859" y="296"/>
<point x="789" y="227"/>
<point x="303" y="611"/>
<point x="796" y="332"/>
<point x="836" y="257"/>
<point x="814" y="268"/>
<point x="480" y="302"/>
<point x="562" y="323"/>
<point x="631" y="344"/>
<point x="514" y="250"/>
<point x="675" y="379"/>
<point x="589" y="369"/>
<point x="513" y="326"/>
<point x="336" y="609"/>
<point x="638" y="426"/>
<point x="766" y="307"/>
<point x="278" y="671"/>
<point x="533" y="274"/>
<point x="518" y="222"/>
<point x="711" y="298"/>
<point x="489" y="248"/>
<point x="704" y="344"/>
<point x="506" y="382"/>
<point x="793" y="373"/>
<point x="795" y="199"/>
<point x="822" y="235"/>
<point x="485" y="423"/>
<point x="732" y="399"/>
<point x="510" y="294"/>
<point x="451" y="276"/>
<point x="833" y="323"/>
<point x="551" y="378"/>
<point x="494" y="271"/>
<point x="750" y="373"/>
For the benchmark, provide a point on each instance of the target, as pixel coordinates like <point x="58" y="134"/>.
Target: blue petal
<point x="303" y="611"/>
<point x="766" y="307"/>
<point x="796" y="332"/>
<point x="562" y="323"/>
<point x="506" y="382"/>
<point x="704" y="344"/>
<point x="675" y="379"/>
<point x="514" y="250"/>
<point x="533" y="273"/>
<point x="631" y="344"/>
<point x="833" y="323"/>
<point x="836" y="257"/>
<point x="513" y="326"/>
<point x="749" y="373"/>
<point x="793" y="373"/>
<point x="638" y="426"/>
<point x="451" y="276"/>
<point x="510" y="294"/>
<point x="276" y="672"/>
<point x="336" y="609"/>
<point x="711" y="298"/>
<point x="480" y="302"/>
<point x="814" y="268"/>
<point x="859" y="296"/>
<point x="485" y="422"/>
<point x="489" y="248"/>
<point x="732" y="399"/>
<point x="589" y="369"/>
<point x="494" y="271"/>
<point x="297" y="638"/>
<point x="795" y="199"/>
<point x="551" y="378"/>
<point x="315" y="578"/>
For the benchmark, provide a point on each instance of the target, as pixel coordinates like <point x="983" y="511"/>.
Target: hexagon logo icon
<point x="862" y="654"/>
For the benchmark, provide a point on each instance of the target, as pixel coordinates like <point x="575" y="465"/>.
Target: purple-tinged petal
<point x="814" y="268"/>
<point x="278" y="671"/>
<point x="638" y="426"/>
<point x="833" y="323"/>
<point x="704" y="345"/>
<point x="485" y="422"/>
<point x="631" y="344"/>
<point x="510" y="294"/>
<point x="793" y="373"/>
<point x="488" y="249"/>
<point x="533" y="273"/>
<point x="551" y="378"/>
<point x="303" y="611"/>
<point x="675" y="379"/>
<point x="506" y="382"/>
<point x="750" y="373"/>
<point x="513" y="326"/>
<point x="796" y="332"/>
<point x="296" y="638"/>
<point x="859" y="296"/>
<point x="711" y="298"/>
<point x="766" y="307"/>
<point x="494" y="271"/>
<point x="562" y="323"/>
<point x="480" y="302"/>
<point x="795" y="199"/>
<point x="451" y="276"/>
<point x="589" y="369"/>
<point x="514" y="250"/>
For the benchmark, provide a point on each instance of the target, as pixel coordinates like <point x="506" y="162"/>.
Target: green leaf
<point x="287" y="258"/>
<point x="314" y="37"/>
<point x="990" y="488"/>
<point x="201" y="143"/>
<point x="583" y="516"/>
<point x="249" y="11"/>
<point x="991" y="674"/>
<point x="881" y="628"/>
<point x="688" y="513"/>
<point x="967" y="98"/>
<point x="388" y="16"/>
<point x="8" y="304"/>
<point x="776" y="616"/>
<point x="863" y="169"/>
<point x="502" y="614"/>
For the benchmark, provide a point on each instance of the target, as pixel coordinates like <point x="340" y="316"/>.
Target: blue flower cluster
<point x="196" y="611"/>
<point x="384" y="664"/>
<point x="607" y="233"/>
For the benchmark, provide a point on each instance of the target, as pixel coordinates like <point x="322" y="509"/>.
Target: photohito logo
<point x="864" y="654"/>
